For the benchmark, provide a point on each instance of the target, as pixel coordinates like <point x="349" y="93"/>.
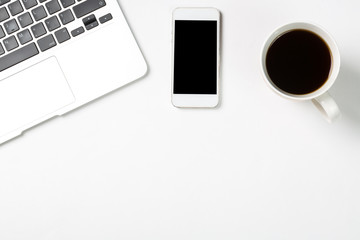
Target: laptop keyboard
<point x="29" y="27"/>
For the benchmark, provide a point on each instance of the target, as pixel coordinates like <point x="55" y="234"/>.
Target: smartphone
<point x="195" y="58"/>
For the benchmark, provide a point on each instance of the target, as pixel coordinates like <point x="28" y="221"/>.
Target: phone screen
<point x="195" y="57"/>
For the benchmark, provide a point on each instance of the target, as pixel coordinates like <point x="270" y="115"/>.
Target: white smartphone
<point x="195" y="58"/>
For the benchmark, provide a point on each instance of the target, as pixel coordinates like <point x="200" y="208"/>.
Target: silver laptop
<point x="56" y="55"/>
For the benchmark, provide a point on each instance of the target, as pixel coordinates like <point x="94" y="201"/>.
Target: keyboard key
<point x="2" y="2"/>
<point x="29" y="3"/>
<point x="39" y="13"/>
<point x="46" y="43"/>
<point x="90" y="22"/>
<point x="2" y="33"/>
<point x="105" y="18"/>
<point x="10" y="43"/>
<point x="24" y="36"/>
<point x="38" y="30"/>
<point x="62" y="35"/>
<point x="18" y="56"/>
<point x="2" y="51"/>
<point x="89" y="19"/>
<point x="77" y="31"/>
<point x="87" y="7"/>
<point x="52" y="23"/>
<point x="11" y="26"/>
<point x="41" y="1"/>
<point x="52" y="6"/>
<point x="25" y="20"/>
<point x="15" y="8"/>
<point x="3" y="14"/>
<point x="66" y="17"/>
<point x="67" y="3"/>
<point x="92" y="25"/>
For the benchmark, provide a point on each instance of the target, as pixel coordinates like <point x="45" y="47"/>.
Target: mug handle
<point x="327" y="106"/>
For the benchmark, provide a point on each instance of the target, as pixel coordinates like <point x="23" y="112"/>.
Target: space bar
<point x="18" y="56"/>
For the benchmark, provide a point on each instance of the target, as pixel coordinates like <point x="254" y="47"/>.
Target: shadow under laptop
<point x="346" y="92"/>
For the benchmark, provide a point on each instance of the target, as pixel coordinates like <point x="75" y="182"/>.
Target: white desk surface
<point x="131" y="166"/>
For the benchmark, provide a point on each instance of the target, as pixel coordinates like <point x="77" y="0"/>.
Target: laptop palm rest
<point x="32" y="96"/>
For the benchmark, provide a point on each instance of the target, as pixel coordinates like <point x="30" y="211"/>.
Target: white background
<point x="131" y="166"/>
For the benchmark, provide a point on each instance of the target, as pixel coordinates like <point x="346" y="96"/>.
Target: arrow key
<point x="77" y="31"/>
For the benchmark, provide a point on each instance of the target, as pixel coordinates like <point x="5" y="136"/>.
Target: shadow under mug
<point x="321" y="98"/>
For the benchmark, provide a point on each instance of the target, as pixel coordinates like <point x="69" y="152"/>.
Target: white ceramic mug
<point x="321" y="98"/>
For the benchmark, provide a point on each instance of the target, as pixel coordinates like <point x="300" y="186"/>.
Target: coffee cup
<point x="301" y="61"/>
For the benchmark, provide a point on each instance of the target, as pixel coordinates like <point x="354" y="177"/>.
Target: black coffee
<point x="299" y="62"/>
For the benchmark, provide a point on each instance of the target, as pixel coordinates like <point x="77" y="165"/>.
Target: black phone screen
<point x="195" y="57"/>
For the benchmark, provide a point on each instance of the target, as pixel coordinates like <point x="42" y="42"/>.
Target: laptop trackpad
<point x="32" y="95"/>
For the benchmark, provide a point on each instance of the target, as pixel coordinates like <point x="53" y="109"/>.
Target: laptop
<point x="56" y="55"/>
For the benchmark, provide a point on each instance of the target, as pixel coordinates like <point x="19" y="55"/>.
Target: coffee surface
<point x="299" y="62"/>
